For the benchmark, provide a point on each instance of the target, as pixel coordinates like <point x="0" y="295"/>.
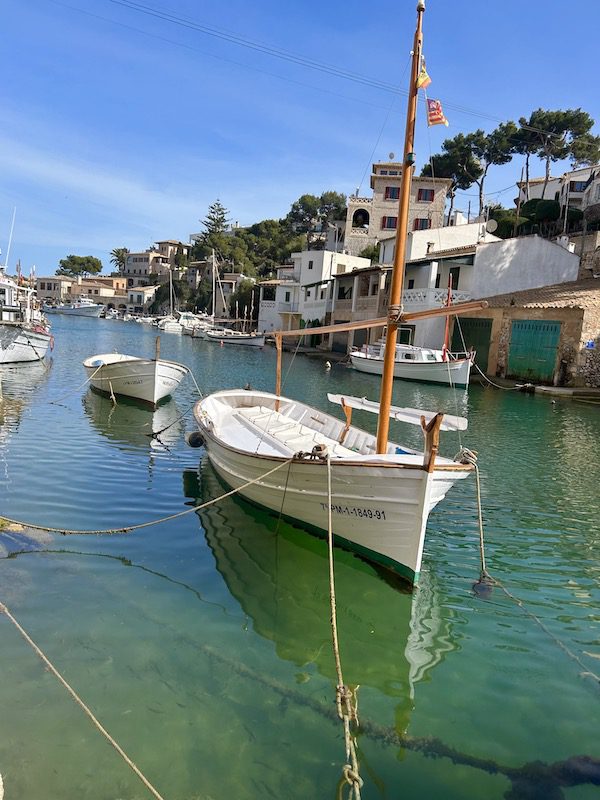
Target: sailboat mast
<point x="446" y="346"/>
<point x="395" y="301"/>
<point x="214" y="286"/>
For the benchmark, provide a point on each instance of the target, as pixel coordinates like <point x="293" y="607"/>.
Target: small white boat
<point x="82" y="308"/>
<point x="380" y="502"/>
<point x="416" y="364"/>
<point x="170" y="325"/>
<point x="147" y="379"/>
<point x="229" y="336"/>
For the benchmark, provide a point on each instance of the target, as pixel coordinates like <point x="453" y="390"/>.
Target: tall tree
<point x="526" y="143"/>
<point x="557" y="133"/>
<point x="118" y="257"/>
<point x="585" y="151"/>
<point x="458" y="164"/>
<point x="73" y="266"/>
<point x="494" y="148"/>
<point x="311" y="214"/>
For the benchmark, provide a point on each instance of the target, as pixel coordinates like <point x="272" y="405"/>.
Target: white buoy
<point x="328" y="365"/>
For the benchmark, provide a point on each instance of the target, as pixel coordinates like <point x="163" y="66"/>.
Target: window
<point x="438" y="279"/>
<point x="344" y="293"/>
<point x="310" y="264"/>
<point x="577" y="186"/>
<point x="409" y="356"/>
<point x="42" y="285"/>
<point x="383" y="172"/>
<point x="287" y="297"/>
<point x="392" y="193"/>
<point x="421" y="224"/>
<point x="393" y="172"/>
<point x="389" y="223"/>
<point x="322" y="294"/>
<point x="95" y="291"/>
<point x="425" y="196"/>
<point x="374" y="288"/>
<point x="454" y="273"/>
<point x="308" y="293"/>
<point x="139" y="299"/>
<point x="411" y="283"/>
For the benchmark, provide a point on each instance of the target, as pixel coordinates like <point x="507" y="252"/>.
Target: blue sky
<point x="119" y="128"/>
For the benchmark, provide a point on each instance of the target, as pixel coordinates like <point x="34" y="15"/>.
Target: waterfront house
<point x="302" y="292"/>
<point x="139" y="298"/>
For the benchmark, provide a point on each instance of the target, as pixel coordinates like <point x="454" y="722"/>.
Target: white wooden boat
<point x="381" y="492"/>
<point x="380" y="502"/>
<point x="150" y="380"/>
<point x="81" y="308"/>
<point x="24" y="332"/>
<point x="229" y="336"/>
<point x="416" y="364"/>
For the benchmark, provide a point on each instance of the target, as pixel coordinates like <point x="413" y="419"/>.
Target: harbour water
<point x="203" y="644"/>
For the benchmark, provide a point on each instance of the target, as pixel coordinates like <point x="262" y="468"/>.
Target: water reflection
<point x="132" y="424"/>
<point x="279" y="576"/>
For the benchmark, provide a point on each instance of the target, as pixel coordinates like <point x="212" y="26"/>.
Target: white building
<point x="422" y="243"/>
<point x="302" y="290"/>
<point x="139" y="298"/>
<point x="474" y="271"/>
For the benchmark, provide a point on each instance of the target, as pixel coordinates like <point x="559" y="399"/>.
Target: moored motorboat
<point x="416" y="364"/>
<point x="150" y="380"/>
<point x="229" y="336"/>
<point x="80" y="308"/>
<point x="24" y="332"/>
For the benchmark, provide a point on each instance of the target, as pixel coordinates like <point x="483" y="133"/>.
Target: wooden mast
<point x="395" y="301"/>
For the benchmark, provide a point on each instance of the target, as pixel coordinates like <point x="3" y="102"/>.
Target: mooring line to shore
<point x="573" y="771"/>
<point x="130" y="528"/>
<point x="345" y="697"/>
<point x="49" y="665"/>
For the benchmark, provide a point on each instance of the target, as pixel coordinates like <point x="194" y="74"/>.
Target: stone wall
<point x="574" y="364"/>
<point x="589" y="358"/>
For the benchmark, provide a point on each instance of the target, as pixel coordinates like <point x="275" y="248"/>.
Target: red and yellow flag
<point x="435" y="115"/>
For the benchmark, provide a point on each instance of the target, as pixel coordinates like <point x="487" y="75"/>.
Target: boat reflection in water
<point x="279" y="576"/>
<point x="133" y="425"/>
<point x="18" y="384"/>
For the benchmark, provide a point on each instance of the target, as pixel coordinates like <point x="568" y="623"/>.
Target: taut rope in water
<point x="346" y="700"/>
<point x="67" y="532"/>
<point x="155" y="793"/>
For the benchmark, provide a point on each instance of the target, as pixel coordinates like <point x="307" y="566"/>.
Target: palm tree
<point x="118" y="257"/>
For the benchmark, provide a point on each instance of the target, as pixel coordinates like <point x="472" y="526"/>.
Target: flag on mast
<point x="435" y="114"/>
<point x="423" y="80"/>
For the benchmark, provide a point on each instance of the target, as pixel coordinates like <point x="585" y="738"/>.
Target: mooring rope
<point x="80" y="703"/>
<point x="128" y="529"/>
<point x="81" y="385"/>
<point x="346" y="700"/>
<point x="486" y="580"/>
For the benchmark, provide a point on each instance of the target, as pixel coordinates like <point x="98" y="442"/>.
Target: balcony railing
<point x="288" y="308"/>
<point x="421" y="299"/>
<point x="366" y="303"/>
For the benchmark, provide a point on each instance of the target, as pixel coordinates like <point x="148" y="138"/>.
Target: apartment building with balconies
<point x="302" y="292"/>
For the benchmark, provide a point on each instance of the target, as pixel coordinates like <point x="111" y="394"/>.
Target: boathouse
<point x="547" y="335"/>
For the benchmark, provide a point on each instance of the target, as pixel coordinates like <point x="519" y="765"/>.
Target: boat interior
<point x="250" y="421"/>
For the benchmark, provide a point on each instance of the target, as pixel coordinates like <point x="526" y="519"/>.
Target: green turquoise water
<point x="203" y="644"/>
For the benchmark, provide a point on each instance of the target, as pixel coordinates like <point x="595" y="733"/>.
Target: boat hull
<point x="143" y="379"/>
<point x="92" y="310"/>
<point x="248" y="340"/>
<point x="378" y="508"/>
<point x="450" y="373"/>
<point x="20" y="344"/>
